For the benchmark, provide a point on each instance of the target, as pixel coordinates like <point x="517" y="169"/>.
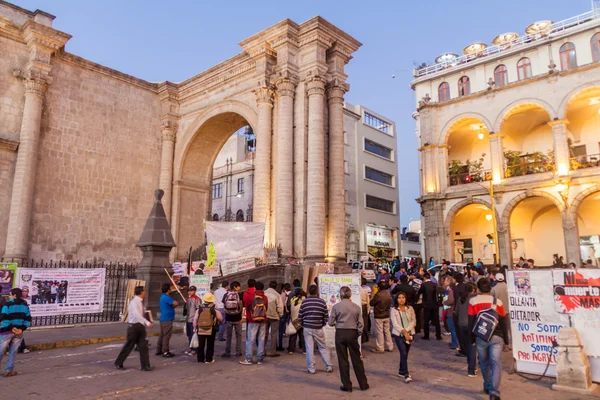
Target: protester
<point x="449" y="304"/>
<point x="206" y="324"/>
<point x="347" y="319"/>
<point x="364" y="301"/>
<point x="457" y="292"/>
<point x="381" y="303"/>
<point x="219" y="294"/>
<point x="285" y="293"/>
<point x="294" y="305"/>
<point x="530" y="264"/>
<point x="191" y="306"/>
<point x="256" y="303"/>
<point x="500" y="291"/>
<point x="232" y="304"/>
<point x="557" y="262"/>
<point x="461" y="312"/>
<point x="167" y="316"/>
<point x="444" y="272"/>
<point x="403" y="323"/>
<point x="313" y="316"/>
<point x="407" y="289"/>
<point x="431" y="262"/>
<point x="416" y="282"/>
<point x="15" y="318"/>
<point x="489" y="352"/>
<point x="274" y="314"/>
<point x="431" y="309"/>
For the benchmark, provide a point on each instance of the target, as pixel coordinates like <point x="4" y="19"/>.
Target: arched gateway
<point x="105" y="140"/>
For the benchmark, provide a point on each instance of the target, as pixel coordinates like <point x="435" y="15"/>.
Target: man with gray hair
<point x="347" y="319"/>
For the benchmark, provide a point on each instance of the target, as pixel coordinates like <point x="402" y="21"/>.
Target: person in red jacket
<point x="256" y="304"/>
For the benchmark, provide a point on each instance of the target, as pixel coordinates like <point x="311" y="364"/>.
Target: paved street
<point x="87" y="372"/>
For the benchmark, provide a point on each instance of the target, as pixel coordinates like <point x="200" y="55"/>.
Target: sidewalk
<point x="45" y="338"/>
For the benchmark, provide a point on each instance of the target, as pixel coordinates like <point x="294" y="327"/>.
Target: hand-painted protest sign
<point x="329" y="267"/>
<point x="8" y="274"/>
<point x="271" y="256"/>
<point x="576" y="289"/>
<point x="241" y="264"/>
<point x="329" y="290"/>
<point x="202" y="283"/>
<point x="62" y="290"/>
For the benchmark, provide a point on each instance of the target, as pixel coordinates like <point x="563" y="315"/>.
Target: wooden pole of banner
<point x="174" y="284"/>
<point x="131" y="285"/>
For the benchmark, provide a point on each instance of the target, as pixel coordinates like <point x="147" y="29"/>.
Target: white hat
<point x="500" y="277"/>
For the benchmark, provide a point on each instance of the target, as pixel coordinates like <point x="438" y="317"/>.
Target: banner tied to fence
<point x="235" y="240"/>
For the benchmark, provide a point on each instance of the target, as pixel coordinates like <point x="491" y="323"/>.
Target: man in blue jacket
<point x="14" y="319"/>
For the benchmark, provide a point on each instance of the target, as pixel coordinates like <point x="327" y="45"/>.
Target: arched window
<point x="500" y="76"/>
<point x="568" y="56"/>
<point x="595" y="42"/>
<point x="524" y="68"/>
<point x="444" y="92"/>
<point x="239" y="216"/>
<point x="464" y="86"/>
<point x="215" y="217"/>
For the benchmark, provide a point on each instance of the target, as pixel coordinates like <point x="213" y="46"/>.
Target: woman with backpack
<point x="462" y="330"/>
<point x="404" y="321"/>
<point x="206" y="324"/>
<point x="294" y="307"/>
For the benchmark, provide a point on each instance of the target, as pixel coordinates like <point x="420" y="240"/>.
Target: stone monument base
<point x="593" y="390"/>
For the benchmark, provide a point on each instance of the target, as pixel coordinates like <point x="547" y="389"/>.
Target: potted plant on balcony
<point x="455" y="170"/>
<point x="475" y="169"/>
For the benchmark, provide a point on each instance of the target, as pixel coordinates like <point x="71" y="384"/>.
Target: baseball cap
<point x="500" y="277"/>
<point x="191" y="288"/>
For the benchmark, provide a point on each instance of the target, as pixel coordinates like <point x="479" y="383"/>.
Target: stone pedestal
<point x="155" y="242"/>
<point x="573" y="372"/>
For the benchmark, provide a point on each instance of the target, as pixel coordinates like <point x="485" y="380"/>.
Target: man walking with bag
<point x="347" y="319"/>
<point x="233" y="319"/>
<point x="313" y="317"/>
<point x="274" y="314"/>
<point x="136" y="332"/>
<point x="15" y="318"/>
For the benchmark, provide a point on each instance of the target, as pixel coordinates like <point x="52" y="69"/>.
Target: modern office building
<point x="509" y="146"/>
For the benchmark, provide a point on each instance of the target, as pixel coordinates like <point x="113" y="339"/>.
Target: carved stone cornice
<point x="8" y="145"/>
<point x="286" y="85"/>
<point x="315" y="84"/>
<point x="335" y="93"/>
<point x="264" y="95"/>
<point x="42" y="42"/>
<point x="36" y="84"/>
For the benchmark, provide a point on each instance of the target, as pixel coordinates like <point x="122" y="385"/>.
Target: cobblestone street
<point x="88" y="372"/>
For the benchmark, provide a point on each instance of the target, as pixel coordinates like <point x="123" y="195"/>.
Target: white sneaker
<point x="25" y="351"/>
<point x="246" y="362"/>
<point x="407" y="379"/>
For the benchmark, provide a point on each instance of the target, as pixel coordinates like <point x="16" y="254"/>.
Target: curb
<point x="83" y="342"/>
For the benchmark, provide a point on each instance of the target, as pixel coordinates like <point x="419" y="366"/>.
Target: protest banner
<point x="329" y="290"/>
<point x="62" y="290"/>
<point x="8" y="274"/>
<point x="271" y="256"/>
<point x="329" y="267"/>
<point x="235" y="240"/>
<point x="202" y="283"/>
<point x="229" y="267"/>
<point x="197" y="266"/>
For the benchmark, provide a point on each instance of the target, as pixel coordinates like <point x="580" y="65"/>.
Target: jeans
<point x="273" y="332"/>
<point x="10" y="342"/>
<point x="404" y="348"/>
<point x="189" y="331"/>
<point x="383" y="339"/>
<point x="464" y="336"/>
<point x="312" y="336"/>
<point x="490" y="362"/>
<point x="237" y="327"/>
<point x="452" y="329"/>
<point x="221" y="326"/>
<point x="255" y="331"/>
<point x="282" y="324"/>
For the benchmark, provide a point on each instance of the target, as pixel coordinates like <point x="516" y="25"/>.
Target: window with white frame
<point x="378" y="176"/>
<point x="377" y="123"/>
<point x="380" y="204"/>
<point x="377" y="149"/>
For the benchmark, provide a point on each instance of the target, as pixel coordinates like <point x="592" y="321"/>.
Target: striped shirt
<point x="485" y="301"/>
<point x="14" y="314"/>
<point x="313" y="313"/>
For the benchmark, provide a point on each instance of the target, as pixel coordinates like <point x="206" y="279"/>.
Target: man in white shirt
<point x="136" y="332"/>
<point x="219" y="295"/>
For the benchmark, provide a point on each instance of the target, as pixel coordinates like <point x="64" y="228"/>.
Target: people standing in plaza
<point x="136" y="331"/>
<point x="295" y="302"/>
<point x="219" y="293"/>
<point x="381" y="303"/>
<point x="256" y="303"/>
<point x="457" y="292"/>
<point x="347" y="319"/>
<point x="403" y="323"/>
<point x="14" y="319"/>
<point x="167" y="315"/>
<point x="407" y="289"/>
<point x="415" y="282"/>
<point x="313" y="316"/>
<point x="431" y="307"/>
<point x="461" y="313"/>
<point x="206" y="325"/>
<point x="489" y="352"/>
<point x="191" y="306"/>
<point x="274" y="314"/>
<point x="285" y="293"/>
<point x="449" y="304"/>
<point x="232" y="303"/>
<point x="364" y="301"/>
<point x="500" y="291"/>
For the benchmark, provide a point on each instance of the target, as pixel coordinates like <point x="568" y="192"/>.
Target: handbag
<point x="290" y="329"/>
<point x="194" y="343"/>
<point x="297" y="324"/>
<point x="406" y="340"/>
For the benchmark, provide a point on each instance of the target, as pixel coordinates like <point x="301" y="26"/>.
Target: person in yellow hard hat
<point x="206" y="323"/>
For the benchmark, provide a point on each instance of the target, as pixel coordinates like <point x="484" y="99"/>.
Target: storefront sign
<point x="62" y="290"/>
<point x="381" y="237"/>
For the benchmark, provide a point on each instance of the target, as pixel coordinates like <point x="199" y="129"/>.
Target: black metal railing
<point x="115" y="288"/>
<point x="470" y="177"/>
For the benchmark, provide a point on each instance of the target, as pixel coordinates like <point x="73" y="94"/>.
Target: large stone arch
<point x="562" y="108"/>
<point x="445" y="132"/>
<point x="538" y="102"/>
<point x="579" y="198"/>
<point x="510" y="206"/>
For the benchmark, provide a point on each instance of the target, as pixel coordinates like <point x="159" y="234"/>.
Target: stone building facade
<point x="83" y="147"/>
<point x="509" y="152"/>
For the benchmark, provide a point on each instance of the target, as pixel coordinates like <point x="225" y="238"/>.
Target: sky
<point x="173" y="40"/>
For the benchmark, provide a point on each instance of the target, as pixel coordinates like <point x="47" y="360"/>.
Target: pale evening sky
<point x="174" y="40"/>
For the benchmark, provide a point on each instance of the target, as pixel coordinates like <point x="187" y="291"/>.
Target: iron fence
<point x="115" y="288"/>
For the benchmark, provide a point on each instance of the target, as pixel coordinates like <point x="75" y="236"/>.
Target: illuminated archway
<point x="468" y="151"/>
<point x="588" y="225"/>
<point x="471" y="230"/>
<point x="583" y="113"/>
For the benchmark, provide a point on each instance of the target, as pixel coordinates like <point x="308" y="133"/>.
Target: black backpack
<point x="486" y="322"/>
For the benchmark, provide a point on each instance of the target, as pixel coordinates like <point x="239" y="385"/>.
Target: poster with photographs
<point x="62" y="290"/>
<point x="7" y="278"/>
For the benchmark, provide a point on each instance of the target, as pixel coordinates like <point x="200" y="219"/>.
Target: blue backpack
<point x="486" y="322"/>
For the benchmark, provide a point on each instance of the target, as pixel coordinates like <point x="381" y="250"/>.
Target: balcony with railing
<point x="462" y="178"/>
<point x="552" y="31"/>
<point x="518" y="164"/>
<point x="585" y="161"/>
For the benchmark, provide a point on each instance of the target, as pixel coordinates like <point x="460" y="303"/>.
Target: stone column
<point x="262" y="163"/>
<point x="168" y="130"/>
<point x="337" y="203"/>
<point x="429" y="173"/>
<point x="571" y="233"/>
<point x="19" y="221"/>
<point x="315" y="213"/>
<point x="497" y="157"/>
<point x="561" y="146"/>
<point x="284" y="162"/>
<point x="504" y="245"/>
